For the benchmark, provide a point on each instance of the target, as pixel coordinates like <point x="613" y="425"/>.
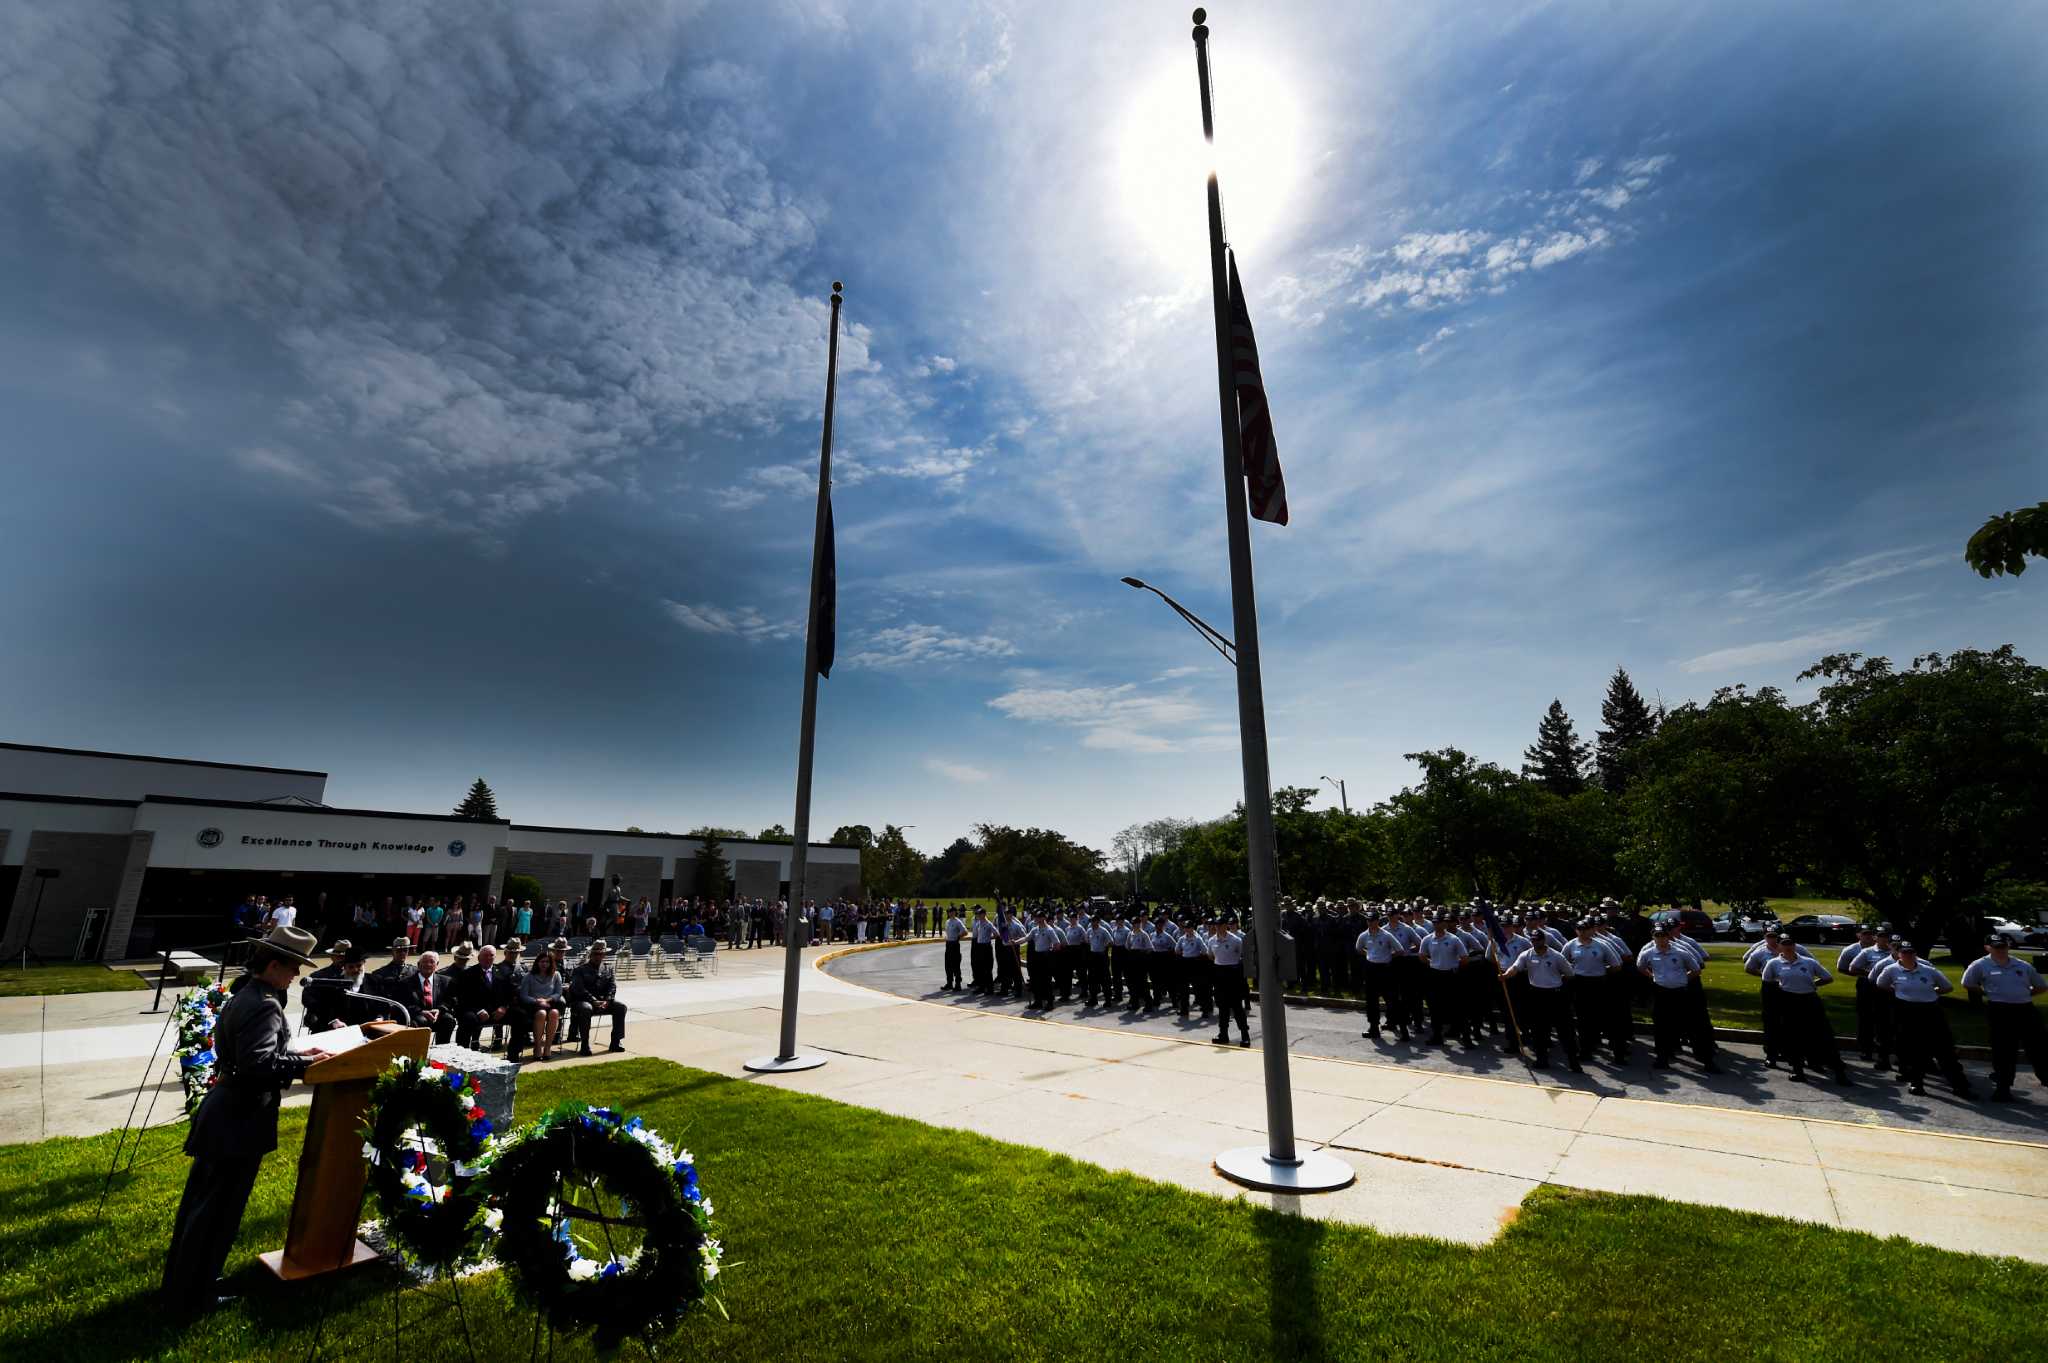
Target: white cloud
<point x="1436" y="339"/>
<point x="742" y="622"/>
<point x="1803" y="648"/>
<point x="917" y="644"/>
<point x="1116" y="718"/>
<point x="957" y="771"/>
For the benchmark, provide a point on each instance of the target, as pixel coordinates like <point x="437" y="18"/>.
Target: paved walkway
<point x="1440" y="1154"/>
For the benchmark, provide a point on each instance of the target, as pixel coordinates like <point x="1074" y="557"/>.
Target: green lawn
<point x="1734" y="997"/>
<point x="85" y="977"/>
<point x="856" y="1235"/>
<point x="1788" y="909"/>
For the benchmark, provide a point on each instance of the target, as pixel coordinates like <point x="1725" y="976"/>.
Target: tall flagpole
<point x="786" y="1058"/>
<point x="1279" y="1167"/>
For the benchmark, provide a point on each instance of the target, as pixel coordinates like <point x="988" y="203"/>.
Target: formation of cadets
<point x="1550" y="974"/>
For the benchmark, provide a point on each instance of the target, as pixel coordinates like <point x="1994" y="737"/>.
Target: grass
<point x="1734" y="997"/>
<point x="86" y="977"/>
<point x="854" y="1235"/>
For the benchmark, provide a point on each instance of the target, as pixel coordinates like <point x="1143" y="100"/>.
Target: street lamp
<point x="1210" y="634"/>
<point x="1279" y="1168"/>
<point x="1346" y="799"/>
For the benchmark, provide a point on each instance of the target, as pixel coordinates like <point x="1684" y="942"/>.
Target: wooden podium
<point x="322" y="1234"/>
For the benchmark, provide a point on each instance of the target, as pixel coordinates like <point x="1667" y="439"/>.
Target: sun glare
<point x="1164" y="163"/>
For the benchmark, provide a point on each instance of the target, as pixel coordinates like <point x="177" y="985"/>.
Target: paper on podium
<point x="333" y="1042"/>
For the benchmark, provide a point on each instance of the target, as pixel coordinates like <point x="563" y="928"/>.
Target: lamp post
<point x="1280" y="1168"/>
<point x="1341" y="795"/>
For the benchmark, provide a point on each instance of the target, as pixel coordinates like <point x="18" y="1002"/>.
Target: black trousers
<point x="1774" y="1023"/>
<point x="1201" y="982"/>
<point x="1232" y="1001"/>
<point x="585" y="1010"/>
<point x="1379" y="992"/>
<point x="1543" y="1011"/>
<point x="1676" y="1019"/>
<point x="1181" y="970"/>
<point x="1009" y="974"/>
<point x="1095" y="981"/>
<point x="1804" y="1036"/>
<point x="1924" y="1039"/>
<point x="952" y="965"/>
<point x="1039" y="966"/>
<point x="1063" y="971"/>
<point x="1440" y="987"/>
<point x="1876" y="1029"/>
<point x="216" y="1194"/>
<point x="1165" y="970"/>
<point x="983" y="955"/>
<point x="2016" y="1027"/>
<point x="1408" y="988"/>
<point x="1600" y="1009"/>
<point x="1138" y="976"/>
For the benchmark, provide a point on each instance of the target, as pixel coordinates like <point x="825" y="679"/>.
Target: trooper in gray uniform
<point x="1916" y="989"/>
<point x="1804" y="1036"/>
<point x="236" y="1124"/>
<point x="2008" y="985"/>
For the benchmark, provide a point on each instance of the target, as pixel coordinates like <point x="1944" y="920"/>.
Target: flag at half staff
<point x="1260" y="455"/>
<point x="826" y="609"/>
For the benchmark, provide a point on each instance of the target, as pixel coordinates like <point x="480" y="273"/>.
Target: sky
<point x="418" y="393"/>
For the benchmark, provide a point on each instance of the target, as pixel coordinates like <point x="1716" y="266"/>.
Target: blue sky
<point x="419" y="392"/>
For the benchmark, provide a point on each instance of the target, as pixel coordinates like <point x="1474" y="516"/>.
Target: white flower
<point x="370" y="1153"/>
<point x="707" y="1209"/>
<point x="582" y="1271"/>
<point x="686" y="1157"/>
<point x="493" y="1218"/>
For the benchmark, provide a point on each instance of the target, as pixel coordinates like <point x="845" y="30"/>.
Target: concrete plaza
<point x="1437" y="1153"/>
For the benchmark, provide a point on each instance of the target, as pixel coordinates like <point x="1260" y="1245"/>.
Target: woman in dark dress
<point x="236" y="1124"/>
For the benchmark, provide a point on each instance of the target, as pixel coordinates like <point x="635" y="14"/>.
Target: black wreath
<point x="577" y="1146"/>
<point x="440" y="1234"/>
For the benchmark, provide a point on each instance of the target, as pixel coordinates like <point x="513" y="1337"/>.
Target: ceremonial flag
<point x="827" y="605"/>
<point x="1261" y="457"/>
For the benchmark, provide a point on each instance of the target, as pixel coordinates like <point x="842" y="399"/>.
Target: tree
<point x="942" y="873"/>
<point x="634" y="828"/>
<point x="1029" y="863"/>
<point x="1938" y="783"/>
<point x="480" y="803"/>
<point x="1629" y="724"/>
<point x="1468" y="828"/>
<point x="853" y="835"/>
<point x="714" y="876"/>
<point x="774" y="832"/>
<point x="2004" y="543"/>
<point x="891" y="867"/>
<point x="1558" y="759"/>
<point x="721" y="834"/>
<point x="523" y="889"/>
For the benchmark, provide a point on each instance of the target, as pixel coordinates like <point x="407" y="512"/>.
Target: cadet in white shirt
<point x="1195" y="977"/>
<point x="1868" y="1001"/>
<point x="1546" y="970"/>
<point x="1379" y="947"/>
<point x="1095" y="974"/>
<point x="1804" y="1034"/>
<point x="954" y="931"/>
<point x="1226" y="950"/>
<point x="983" y="951"/>
<point x="1138" y="965"/>
<point x="1443" y="952"/>
<point x="1754" y="960"/>
<point x="1598" y="1007"/>
<point x="2007" y="986"/>
<point x="1044" y="947"/>
<point x="1916" y="989"/>
<point x="1672" y="970"/>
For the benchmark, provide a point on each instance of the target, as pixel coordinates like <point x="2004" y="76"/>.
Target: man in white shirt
<point x="1379" y="947"/>
<point x="1443" y="955"/>
<point x="983" y="950"/>
<point x="1598" y="1007"/>
<point x="1804" y="1034"/>
<point x="1916" y="989"/>
<point x="954" y="931"/>
<point x="1546" y="970"/>
<point x="2007" y="985"/>
<point x="1672" y="971"/>
<point x="1226" y="950"/>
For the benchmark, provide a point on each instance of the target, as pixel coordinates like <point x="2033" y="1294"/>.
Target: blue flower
<point x="480" y="1128"/>
<point x="610" y="1270"/>
<point x="634" y="1124"/>
<point x="454" y="1080"/>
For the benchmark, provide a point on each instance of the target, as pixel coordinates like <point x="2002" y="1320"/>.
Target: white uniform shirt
<point x="1800" y="975"/>
<point x="2013" y="982"/>
<point x="1545" y="969"/>
<point x="1757" y="957"/>
<point x="1846" y="962"/>
<point x="955" y="929"/>
<point x="1445" y="953"/>
<point x="1227" y="948"/>
<point x="1099" y="939"/>
<point x="1590" y="959"/>
<point x="1922" y="984"/>
<point x="1192" y="947"/>
<point x="1669" y="966"/>
<point x="984" y="932"/>
<point x="1378" y="945"/>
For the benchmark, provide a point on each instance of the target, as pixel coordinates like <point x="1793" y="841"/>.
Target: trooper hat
<point x="292" y="943"/>
<point x="463" y="951"/>
<point x="401" y="944"/>
<point x="597" y="948"/>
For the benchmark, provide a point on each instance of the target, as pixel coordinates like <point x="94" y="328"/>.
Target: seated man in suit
<point x="431" y="995"/>
<point x="323" y="992"/>
<point x="481" y="999"/>
<point x="392" y="980"/>
<point x="594" y="991"/>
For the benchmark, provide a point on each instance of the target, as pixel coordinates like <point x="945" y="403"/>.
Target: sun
<point x="1163" y="162"/>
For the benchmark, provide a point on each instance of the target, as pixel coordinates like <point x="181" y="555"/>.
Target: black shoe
<point x="2001" y="1095"/>
<point x="585" y="1050"/>
<point x="1798" y="1075"/>
<point x="1244" y="1041"/>
<point x="1223" y="1039"/>
<point x="616" y="1046"/>
<point x="1917" y="1089"/>
<point x="1711" y="1068"/>
<point x="1577" y="1068"/>
<point x="1842" y="1078"/>
<point x="1660" y="1063"/>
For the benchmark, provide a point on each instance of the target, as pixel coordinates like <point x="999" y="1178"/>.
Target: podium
<point x="321" y="1237"/>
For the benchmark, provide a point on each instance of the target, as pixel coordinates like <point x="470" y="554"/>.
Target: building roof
<point x="148" y="757"/>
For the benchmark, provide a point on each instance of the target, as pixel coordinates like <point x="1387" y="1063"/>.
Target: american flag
<point x="1259" y="454"/>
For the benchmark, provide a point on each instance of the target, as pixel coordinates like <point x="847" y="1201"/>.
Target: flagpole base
<point x="778" y="1065"/>
<point x="1311" y="1172"/>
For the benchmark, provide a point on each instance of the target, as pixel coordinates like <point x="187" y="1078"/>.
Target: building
<point x="165" y="848"/>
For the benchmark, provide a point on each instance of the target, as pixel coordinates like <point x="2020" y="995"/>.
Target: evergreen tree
<point x="480" y="803"/>
<point x="714" y="877"/>
<point x="1558" y="760"/>
<point x="1628" y="724"/>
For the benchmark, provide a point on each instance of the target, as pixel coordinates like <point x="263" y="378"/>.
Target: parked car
<point x="2018" y="933"/>
<point x="1816" y="928"/>
<point x="1698" y="926"/>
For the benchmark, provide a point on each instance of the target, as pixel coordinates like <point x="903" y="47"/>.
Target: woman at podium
<point x="236" y="1124"/>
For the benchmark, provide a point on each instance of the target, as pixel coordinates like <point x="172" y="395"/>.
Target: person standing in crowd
<point x="1847" y="965"/>
<point x="1546" y="970"/>
<point x="2007" y="986"/>
<point x="1095" y="981"/>
<point x="321" y="992"/>
<point x="540" y="998"/>
<point x="522" y="920"/>
<point x="1043" y="944"/>
<point x="1597" y="1007"/>
<point x="1804" y="1036"/>
<point x="1444" y="953"/>
<point x="1226" y="954"/>
<point x="1010" y="935"/>
<point x="593" y="992"/>
<point x="1378" y="947"/>
<point x="1916" y="989"/>
<point x="235" y="1125"/>
<point x="1755" y="960"/>
<point x="954" y="931"/>
<point x="983" y="951"/>
<point x="430" y="925"/>
<point x="1670" y="970"/>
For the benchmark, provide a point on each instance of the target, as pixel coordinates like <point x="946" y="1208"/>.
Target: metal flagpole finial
<point x="836" y="288"/>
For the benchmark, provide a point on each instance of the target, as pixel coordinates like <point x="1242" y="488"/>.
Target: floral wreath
<point x="196" y="1013"/>
<point x="425" y="1138"/>
<point x="535" y="1178"/>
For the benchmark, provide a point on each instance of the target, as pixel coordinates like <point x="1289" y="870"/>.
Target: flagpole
<point x="794" y="929"/>
<point x="1279" y="1167"/>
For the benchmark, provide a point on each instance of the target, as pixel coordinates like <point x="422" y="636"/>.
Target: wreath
<point x="425" y="1139"/>
<point x="196" y="1013"/>
<point x="603" y="1224"/>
